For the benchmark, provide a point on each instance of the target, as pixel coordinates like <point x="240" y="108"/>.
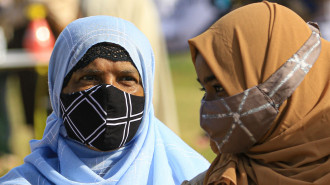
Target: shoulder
<point x="198" y="180"/>
<point x="24" y="174"/>
<point x="14" y="176"/>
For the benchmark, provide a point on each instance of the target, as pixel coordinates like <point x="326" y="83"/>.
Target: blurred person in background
<point x="181" y="22"/>
<point x="322" y="17"/>
<point x="101" y="69"/>
<point x="17" y="86"/>
<point x="266" y="107"/>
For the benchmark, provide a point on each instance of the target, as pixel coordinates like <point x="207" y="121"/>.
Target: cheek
<point x="140" y="91"/>
<point x="68" y="89"/>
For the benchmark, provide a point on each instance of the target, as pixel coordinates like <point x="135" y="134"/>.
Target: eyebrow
<point x="207" y="79"/>
<point x="89" y="71"/>
<point x="96" y="71"/>
<point x="129" y="71"/>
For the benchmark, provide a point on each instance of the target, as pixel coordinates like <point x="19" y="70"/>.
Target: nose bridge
<point x="209" y="96"/>
<point x="109" y="78"/>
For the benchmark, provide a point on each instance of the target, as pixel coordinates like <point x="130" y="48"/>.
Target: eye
<point x="127" y="78"/>
<point x="202" y="89"/>
<point x="89" y="78"/>
<point x="129" y="81"/>
<point x="218" y="88"/>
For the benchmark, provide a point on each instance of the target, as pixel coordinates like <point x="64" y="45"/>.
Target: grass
<point x="188" y="96"/>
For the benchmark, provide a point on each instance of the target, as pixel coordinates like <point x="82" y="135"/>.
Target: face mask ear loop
<point x="280" y="85"/>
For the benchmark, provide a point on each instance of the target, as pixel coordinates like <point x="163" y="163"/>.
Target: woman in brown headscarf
<point x="276" y="67"/>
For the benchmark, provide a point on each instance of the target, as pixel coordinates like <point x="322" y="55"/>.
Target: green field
<point x="188" y="96"/>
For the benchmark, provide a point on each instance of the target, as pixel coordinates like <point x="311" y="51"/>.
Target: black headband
<point x="104" y="50"/>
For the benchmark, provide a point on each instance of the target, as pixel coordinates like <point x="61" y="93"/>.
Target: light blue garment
<point x="155" y="155"/>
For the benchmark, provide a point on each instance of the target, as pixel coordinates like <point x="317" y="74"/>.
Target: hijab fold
<point x="154" y="156"/>
<point x="243" y="49"/>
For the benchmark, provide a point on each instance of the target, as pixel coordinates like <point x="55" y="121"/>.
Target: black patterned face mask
<point x="103" y="117"/>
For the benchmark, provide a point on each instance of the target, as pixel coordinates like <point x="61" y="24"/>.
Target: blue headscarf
<point x="154" y="156"/>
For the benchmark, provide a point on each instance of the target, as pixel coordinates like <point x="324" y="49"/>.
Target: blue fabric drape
<point x="154" y="156"/>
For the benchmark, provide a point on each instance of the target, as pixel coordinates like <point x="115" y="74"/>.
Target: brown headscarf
<point x="243" y="49"/>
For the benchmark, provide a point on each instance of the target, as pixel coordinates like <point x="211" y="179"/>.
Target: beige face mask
<point x="237" y="122"/>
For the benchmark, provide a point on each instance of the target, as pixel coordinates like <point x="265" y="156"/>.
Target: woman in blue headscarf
<point x="103" y="129"/>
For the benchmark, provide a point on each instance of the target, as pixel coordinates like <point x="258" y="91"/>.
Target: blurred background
<point x="29" y="28"/>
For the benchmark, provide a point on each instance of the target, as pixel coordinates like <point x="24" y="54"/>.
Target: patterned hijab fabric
<point x="243" y="49"/>
<point x="155" y="155"/>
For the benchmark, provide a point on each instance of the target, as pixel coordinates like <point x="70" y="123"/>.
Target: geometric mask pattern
<point x="103" y="116"/>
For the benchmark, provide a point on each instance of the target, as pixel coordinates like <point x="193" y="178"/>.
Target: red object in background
<point x="39" y="40"/>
